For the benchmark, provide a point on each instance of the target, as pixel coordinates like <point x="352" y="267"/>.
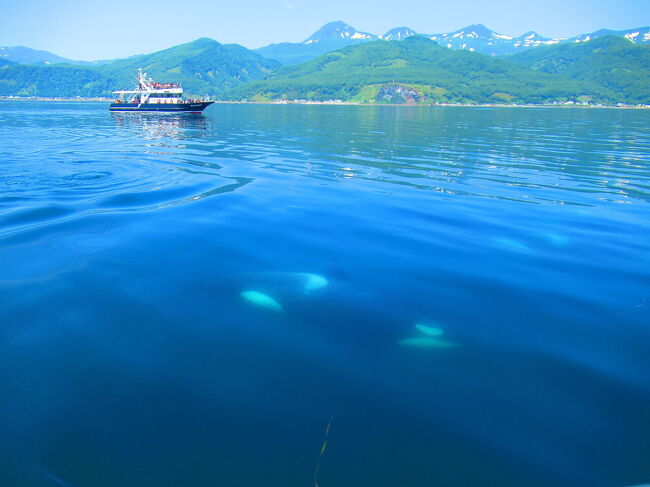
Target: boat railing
<point x="164" y="86"/>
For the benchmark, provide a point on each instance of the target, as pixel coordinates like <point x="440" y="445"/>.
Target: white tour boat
<point x="150" y="96"/>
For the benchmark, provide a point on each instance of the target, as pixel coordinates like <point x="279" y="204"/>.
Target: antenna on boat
<point x="142" y="77"/>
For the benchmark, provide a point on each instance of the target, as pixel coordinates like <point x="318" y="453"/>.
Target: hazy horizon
<point x="88" y="32"/>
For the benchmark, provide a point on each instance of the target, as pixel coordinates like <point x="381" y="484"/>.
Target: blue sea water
<point x="130" y="357"/>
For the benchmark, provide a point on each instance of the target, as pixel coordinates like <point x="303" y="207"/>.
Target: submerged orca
<point x="261" y="299"/>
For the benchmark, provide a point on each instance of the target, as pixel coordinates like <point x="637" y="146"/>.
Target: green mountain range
<point x="612" y="62"/>
<point x="424" y="70"/>
<point x="52" y="81"/>
<point x="414" y="70"/>
<point x="204" y="67"/>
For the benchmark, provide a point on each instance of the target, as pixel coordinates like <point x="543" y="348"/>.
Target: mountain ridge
<point x="27" y="55"/>
<point x="475" y="37"/>
<point x="338" y="31"/>
<point x="338" y="34"/>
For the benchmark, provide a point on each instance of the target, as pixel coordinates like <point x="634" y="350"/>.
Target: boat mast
<point x="143" y="87"/>
<point x="142" y="80"/>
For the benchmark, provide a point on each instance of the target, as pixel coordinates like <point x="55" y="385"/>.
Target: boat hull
<point x="160" y="107"/>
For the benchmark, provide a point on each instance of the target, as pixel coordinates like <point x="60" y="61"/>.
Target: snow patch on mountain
<point x="476" y="38"/>
<point x="338" y="31"/>
<point x="398" y="34"/>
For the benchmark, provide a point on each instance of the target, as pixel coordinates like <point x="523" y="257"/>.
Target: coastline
<point x="57" y="98"/>
<point x="345" y="103"/>
<point x="413" y="105"/>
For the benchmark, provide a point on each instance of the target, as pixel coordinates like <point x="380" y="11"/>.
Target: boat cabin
<point x="150" y="92"/>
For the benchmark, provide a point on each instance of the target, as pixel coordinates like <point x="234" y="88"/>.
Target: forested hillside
<point x="613" y="62"/>
<point x="204" y="67"/>
<point x="438" y="74"/>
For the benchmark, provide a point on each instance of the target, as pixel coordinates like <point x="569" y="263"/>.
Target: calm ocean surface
<point x="129" y="356"/>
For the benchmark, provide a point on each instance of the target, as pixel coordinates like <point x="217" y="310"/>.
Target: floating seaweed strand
<point x="322" y="451"/>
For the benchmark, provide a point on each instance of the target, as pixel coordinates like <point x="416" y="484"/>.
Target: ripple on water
<point x="65" y="175"/>
<point x="62" y="179"/>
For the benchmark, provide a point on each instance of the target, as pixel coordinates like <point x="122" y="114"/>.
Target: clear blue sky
<point x="106" y="30"/>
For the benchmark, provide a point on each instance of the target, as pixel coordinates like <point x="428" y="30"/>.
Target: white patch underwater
<point x="431" y="338"/>
<point x="262" y="300"/>
<point x="429" y="330"/>
<point x="313" y="281"/>
<point x="268" y="289"/>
